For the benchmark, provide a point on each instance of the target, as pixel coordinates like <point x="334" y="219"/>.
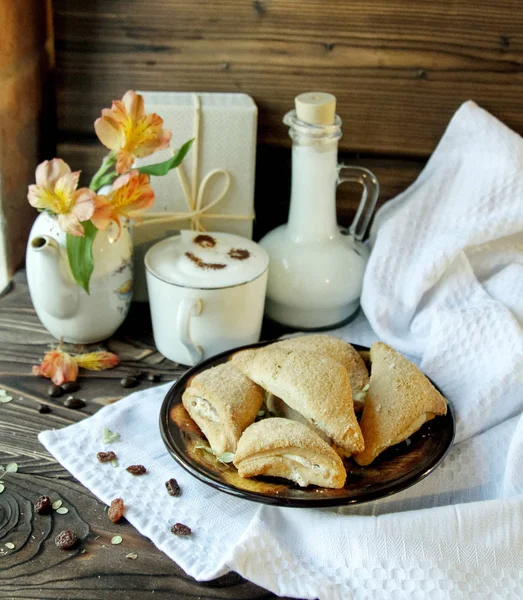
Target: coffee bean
<point x="129" y="382"/>
<point x="54" y="391"/>
<point x="73" y="402"/>
<point x="70" y="387"/>
<point x="154" y="377"/>
<point x="43" y="409"/>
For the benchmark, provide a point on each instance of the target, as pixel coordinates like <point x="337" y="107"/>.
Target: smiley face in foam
<point x="209" y="260"/>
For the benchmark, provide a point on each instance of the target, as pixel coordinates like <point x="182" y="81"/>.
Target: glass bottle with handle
<point x="316" y="268"/>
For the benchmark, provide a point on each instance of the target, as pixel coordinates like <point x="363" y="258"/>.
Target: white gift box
<point x="218" y="170"/>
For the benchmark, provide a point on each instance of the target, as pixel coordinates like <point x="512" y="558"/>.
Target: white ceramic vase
<point x="65" y="309"/>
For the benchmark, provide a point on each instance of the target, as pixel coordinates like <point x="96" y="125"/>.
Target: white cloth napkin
<point x="442" y="286"/>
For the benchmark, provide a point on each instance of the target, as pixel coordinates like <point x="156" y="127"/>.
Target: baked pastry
<point x="283" y="448"/>
<point x="337" y="349"/>
<point x="223" y="402"/>
<point x="400" y="399"/>
<point x="316" y="386"/>
<point x="277" y="407"/>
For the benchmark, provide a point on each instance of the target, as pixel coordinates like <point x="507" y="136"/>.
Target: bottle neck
<point x="312" y="213"/>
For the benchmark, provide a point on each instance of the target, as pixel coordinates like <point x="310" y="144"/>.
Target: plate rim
<point x="259" y="497"/>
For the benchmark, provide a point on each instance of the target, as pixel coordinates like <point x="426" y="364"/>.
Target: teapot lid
<point x="206" y="260"/>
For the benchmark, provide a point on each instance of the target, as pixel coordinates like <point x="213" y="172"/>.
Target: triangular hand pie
<point x="316" y="386"/>
<point x="338" y="350"/>
<point x="399" y="400"/>
<point x="223" y="402"/>
<point x="283" y="448"/>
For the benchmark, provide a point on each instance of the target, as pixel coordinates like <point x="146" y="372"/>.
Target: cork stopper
<point x="316" y="108"/>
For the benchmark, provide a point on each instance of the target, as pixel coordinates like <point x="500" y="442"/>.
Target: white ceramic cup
<point x="205" y="298"/>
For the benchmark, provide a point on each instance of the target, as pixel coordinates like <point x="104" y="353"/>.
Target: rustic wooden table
<point x="35" y="567"/>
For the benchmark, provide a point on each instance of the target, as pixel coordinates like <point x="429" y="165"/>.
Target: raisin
<point x="173" y="489"/>
<point x="106" y="456"/>
<point x="137" y="469"/>
<point x="42" y="505"/>
<point x="66" y="539"/>
<point x="181" y="529"/>
<point x="115" y="512"/>
<point x="43" y="409"/>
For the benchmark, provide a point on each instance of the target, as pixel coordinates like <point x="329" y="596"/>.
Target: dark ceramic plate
<point x="394" y="470"/>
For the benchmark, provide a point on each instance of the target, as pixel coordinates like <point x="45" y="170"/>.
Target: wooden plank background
<point x="399" y="68"/>
<point x="26" y="117"/>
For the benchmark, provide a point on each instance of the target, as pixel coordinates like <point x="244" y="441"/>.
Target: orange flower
<point x="55" y="191"/>
<point x="97" y="361"/>
<point x="61" y="367"/>
<point x="131" y="195"/>
<point x="129" y="132"/>
<point x="58" y="366"/>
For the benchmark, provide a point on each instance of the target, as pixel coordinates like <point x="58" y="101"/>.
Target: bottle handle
<point x="369" y="196"/>
<point x="189" y="308"/>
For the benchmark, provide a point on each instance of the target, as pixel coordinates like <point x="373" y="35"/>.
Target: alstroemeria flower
<point x="130" y="196"/>
<point x="129" y="132"/>
<point x="97" y="361"/>
<point x="55" y="191"/>
<point x="58" y="366"/>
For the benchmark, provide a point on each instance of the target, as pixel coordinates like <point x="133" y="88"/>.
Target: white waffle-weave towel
<point x="442" y="286"/>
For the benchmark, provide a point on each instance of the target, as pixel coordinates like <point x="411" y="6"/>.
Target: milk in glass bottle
<point x="316" y="269"/>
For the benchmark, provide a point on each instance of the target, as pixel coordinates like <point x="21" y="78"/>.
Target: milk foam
<point x="207" y="260"/>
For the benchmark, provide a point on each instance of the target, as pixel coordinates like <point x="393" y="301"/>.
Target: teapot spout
<point x="51" y="284"/>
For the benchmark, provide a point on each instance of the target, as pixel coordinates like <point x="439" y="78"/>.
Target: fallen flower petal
<point x="97" y="361"/>
<point x="58" y="366"/>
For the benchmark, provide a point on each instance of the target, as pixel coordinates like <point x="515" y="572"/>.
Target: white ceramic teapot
<point x="66" y="310"/>
<point x="316" y="269"/>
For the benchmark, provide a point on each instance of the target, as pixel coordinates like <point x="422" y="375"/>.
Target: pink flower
<point x="55" y="191"/>
<point x="131" y="195"/>
<point x="129" y="132"/>
<point x="58" y="366"/>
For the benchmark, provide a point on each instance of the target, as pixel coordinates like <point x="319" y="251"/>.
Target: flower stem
<point x="105" y="174"/>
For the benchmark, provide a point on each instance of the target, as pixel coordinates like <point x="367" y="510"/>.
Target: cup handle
<point x="189" y="308"/>
<point x="369" y="197"/>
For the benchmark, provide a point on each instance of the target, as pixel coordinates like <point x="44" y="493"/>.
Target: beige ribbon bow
<point x="195" y="194"/>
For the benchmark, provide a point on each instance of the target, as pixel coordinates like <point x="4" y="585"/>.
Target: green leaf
<point x="80" y="254"/>
<point x="116" y="539"/>
<point x="2" y="487"/>
<point x="11" y="468"/>
<point x="163" y="168"/>
<point x="56" y="504"/>
<point x="61" y="510"/>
